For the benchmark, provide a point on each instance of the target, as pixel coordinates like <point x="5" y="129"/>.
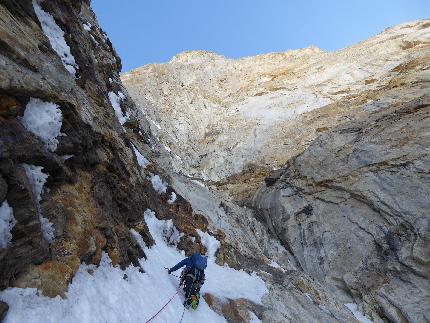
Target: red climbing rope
<point x="152" y="317"/>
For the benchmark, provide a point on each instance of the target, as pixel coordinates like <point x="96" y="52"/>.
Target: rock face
<point x="353" y="209"/>
<point x="228" y="115"/>
<point x="342" y="219"/>
<point x="347" y="135"/>
<point x="53" y="54"/>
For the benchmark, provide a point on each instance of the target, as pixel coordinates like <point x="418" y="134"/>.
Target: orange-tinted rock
<point x="51" y="278"/>
<point x="9" y="107"/>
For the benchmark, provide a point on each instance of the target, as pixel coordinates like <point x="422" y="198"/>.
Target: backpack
<point x="199" y="261"/>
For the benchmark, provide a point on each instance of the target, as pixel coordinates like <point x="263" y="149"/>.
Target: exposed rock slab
<point x="353" y="209"/>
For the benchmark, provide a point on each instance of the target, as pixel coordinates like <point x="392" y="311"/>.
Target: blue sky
<point x="152" y="31"/>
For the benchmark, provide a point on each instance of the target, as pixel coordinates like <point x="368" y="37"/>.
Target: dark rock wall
<point x="96" y="196"/>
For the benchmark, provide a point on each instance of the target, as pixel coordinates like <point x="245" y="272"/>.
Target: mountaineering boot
<point x="194" y="301"/>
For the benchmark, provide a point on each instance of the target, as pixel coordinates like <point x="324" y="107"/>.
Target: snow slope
<point x="109" y="294"/>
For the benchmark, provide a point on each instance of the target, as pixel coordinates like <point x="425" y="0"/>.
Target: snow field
<point x="44" y="119"/>
<point x="7" y="222"/>
<point x="56" y="38"/>
<point x="108" y="294"/>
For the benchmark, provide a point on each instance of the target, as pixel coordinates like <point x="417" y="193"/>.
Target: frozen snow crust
<point x="56" y="37"/>
<point x="109" y="294"/>
<point x="44" y="119"/>
<point x="37" y="180"/>
<point x="7" y="222"/>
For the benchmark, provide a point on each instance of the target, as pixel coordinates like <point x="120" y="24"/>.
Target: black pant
<point x="189" y="286"/>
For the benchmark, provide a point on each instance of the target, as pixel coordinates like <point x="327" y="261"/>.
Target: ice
<point x="358" y="315"/>
<point x="56" y="38"/>
<point x="172" y="198"/>
<point x="7" y="222"/>
<point x="158" y="184"/>
<point x="37" y="179"/>
<point x="44" y="119"/>
<point x="116" y="100"/>
<point x="142" y="161"/>
<point x="107" y="294"/>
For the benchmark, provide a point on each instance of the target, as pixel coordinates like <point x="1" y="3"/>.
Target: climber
<point x="192" y="277"/>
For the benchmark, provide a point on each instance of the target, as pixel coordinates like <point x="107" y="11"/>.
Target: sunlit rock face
<point x="220" y="116"/>
<point x="330" y="150"/>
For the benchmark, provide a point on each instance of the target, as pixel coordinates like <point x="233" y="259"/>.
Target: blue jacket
<point x="195" y="261"/>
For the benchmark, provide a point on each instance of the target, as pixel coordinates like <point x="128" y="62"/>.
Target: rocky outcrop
<point x="353" y="209"/>
<point x="79" y="193"/>
<point x="3" y="310"/>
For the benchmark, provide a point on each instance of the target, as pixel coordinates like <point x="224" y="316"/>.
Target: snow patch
<point x="358" y="315"/>
<point x="87" y="26"/>
<point x="7" y="222"/>
<point x="44" y="119"/>
<point x="219" y="278"/>
<point x="115" y="101"/>
<point x="253" y="318"/>
<point x="158" y="184"/>
<point x="142" y="161"/>
<point x="171" y="234"/>
<point x="155" y="124"/>
<point x="37" y="179"/>
<point x="274" y="264"/>
<point x="56" y="38"/>
<point x="65" y="157"/>
<point x="172" y="198"/>
<point x="167" y="149"/>
<point x="198" y="183"/>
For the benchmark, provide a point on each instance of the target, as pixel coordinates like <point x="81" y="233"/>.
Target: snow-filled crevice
<point x="44" y="119"/>
<point x="141" y="160"/>
<point x="37" y="180"/>
<point x="158" y="184"/>
<point x="56" y="37"/>
<point x="7" y="222"/>
<point x="108" y="294"/>
<point x="172" y="198"/>
<point x="357" y="314"/>
<point x="116" y="101"/>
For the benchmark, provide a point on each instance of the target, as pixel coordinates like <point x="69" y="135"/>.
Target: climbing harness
<point x="152" y="317"/>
